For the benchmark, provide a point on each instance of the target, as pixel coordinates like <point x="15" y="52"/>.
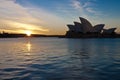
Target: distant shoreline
<point x="6" y="35"/>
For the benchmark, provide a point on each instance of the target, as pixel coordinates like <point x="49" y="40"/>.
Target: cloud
<point x="90" y="10"/>
<point x="85" y="8"/>
<point x="15" y="16"/>
<point x="77" y="4"/>
<point x="87" y="4"/>
<point x="15" y="13"/>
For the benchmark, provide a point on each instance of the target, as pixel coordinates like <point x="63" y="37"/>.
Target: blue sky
<point x="51" y="16"/>
<point x="110" y="7"/>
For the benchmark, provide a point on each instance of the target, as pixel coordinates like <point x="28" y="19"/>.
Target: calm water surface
<point x="59" y="59"/>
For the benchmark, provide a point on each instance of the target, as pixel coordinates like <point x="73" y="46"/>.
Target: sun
<point x="28" y="33"/>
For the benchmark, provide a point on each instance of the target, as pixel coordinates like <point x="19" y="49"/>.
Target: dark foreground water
<point x="59" y="59"/>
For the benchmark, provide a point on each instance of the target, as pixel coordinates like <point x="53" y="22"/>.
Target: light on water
<point x="59" y="59"/>
<point x="28" y="45"/>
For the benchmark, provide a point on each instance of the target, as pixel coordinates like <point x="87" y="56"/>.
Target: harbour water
<point x="59" y="59"/>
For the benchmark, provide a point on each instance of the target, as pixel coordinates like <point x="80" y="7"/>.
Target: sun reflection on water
<point x="28" y="47"/>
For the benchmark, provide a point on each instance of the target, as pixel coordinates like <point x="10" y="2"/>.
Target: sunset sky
<point x="51" y="16"/>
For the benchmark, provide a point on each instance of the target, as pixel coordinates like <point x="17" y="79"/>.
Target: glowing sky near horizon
<point x="51" y="16"/>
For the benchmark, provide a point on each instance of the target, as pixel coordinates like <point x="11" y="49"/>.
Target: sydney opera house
<point x="85" y="29"/>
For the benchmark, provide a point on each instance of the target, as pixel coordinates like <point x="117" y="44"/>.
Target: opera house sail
<point x="109" y="31"/>
<point x="85" y="29"/>
<point x="78" y="26"/>
<point x="98" y="28"/>
<point x="71" y="28"/>
<point x="87" y="26"/>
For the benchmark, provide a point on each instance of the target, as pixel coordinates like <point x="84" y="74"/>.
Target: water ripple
<point x="59" y="59"/>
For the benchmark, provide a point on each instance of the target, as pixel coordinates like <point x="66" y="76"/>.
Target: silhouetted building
<point x="78" y="26"/>
<point x="85" y="28"/>
<point x="71" y="28"/>
<point x="109" y="31"/>
<point x="98" y="28"/>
